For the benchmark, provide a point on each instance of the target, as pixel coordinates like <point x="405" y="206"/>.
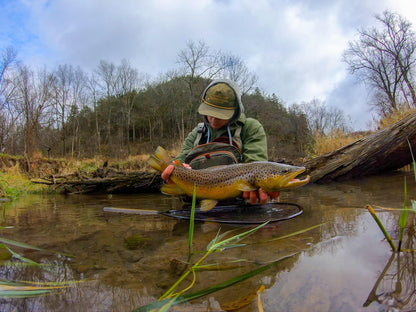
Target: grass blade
<point x="380" y="225"/>
<point x="413" y="158"/>
<point x="192" y="221"/>
<point x="226" y="242"/>
<point x="18" y="244"/>
<point x="403" y="217"/>
<point x="10" y="289"/>
<point x="15" y="254"/>
<point x="295" y="233"/>
<point x="217" y="246"/>
<point x="212" y="289"/>
<point x="22" y="293"/>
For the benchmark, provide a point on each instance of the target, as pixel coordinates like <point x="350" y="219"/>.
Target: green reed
<point x="192" y="221"/>
<point x="220" y="243"/>
<point x="403" y="215"/>
<point x="23" y="289"/>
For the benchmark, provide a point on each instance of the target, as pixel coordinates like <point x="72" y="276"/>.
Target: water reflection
<point x="395" y="287"/>
<point x="126" y="261"/>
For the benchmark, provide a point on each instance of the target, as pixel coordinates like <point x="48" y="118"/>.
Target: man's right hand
<point x="168" y="171"/>
<point x="260" y="195"/>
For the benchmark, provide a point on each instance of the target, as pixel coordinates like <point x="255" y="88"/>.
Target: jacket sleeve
<point x="254" y="141"/>
<point x="188" y="144"/>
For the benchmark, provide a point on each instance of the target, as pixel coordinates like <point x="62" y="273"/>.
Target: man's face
<point x="217" y="123"/>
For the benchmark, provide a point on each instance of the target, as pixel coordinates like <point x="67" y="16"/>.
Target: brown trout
<point x="222" y="182"/>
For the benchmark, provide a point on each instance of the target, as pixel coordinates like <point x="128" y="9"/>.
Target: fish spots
<point x="227" y="181"/>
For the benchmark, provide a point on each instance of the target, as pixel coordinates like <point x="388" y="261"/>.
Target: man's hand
<point x="260" y="195"/>
<point x="168" y="171"/>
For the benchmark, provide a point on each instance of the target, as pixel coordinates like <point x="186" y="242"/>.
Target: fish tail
<point x="160" y="159"/>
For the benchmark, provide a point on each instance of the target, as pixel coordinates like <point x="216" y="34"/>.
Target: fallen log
<point x="132" y="182"/>
<point x="385" y="150"/>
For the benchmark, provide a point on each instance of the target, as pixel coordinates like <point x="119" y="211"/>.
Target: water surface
<point x="125" y="261"/>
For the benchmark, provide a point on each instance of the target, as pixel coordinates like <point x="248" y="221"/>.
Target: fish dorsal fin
<point x="207" y="204"/>
<point x="245" y="186"/>
<point x="172" y="189"/>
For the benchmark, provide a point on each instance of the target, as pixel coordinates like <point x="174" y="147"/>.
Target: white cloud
<point x="294" y="47"/>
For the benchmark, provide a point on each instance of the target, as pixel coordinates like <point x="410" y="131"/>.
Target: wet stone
<point x="135" y="241"/>
<point x="131" y="256"/>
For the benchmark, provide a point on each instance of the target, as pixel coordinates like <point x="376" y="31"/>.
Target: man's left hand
<point x="260" y="195"/>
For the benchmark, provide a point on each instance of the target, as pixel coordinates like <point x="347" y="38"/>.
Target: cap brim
<point x="219" y="113"/>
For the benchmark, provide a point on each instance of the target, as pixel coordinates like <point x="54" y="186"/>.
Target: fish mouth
<point x="290" y="181"/>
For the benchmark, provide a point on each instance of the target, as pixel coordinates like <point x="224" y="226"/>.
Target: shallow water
<point x="125" y="261"/>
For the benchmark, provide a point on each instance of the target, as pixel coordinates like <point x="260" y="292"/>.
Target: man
<point x="225" y="137"/>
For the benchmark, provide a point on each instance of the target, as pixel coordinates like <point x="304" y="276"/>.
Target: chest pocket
<point x="215" y="153"/>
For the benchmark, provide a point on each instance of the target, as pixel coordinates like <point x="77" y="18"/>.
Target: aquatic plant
<point x="11" y="289"/>
<point x="164" y="304"/>
<point x="24" y="289"/>
<point x="381" y="226"/>
<point x="220" y="243"/>
<point x="192" y="222"/>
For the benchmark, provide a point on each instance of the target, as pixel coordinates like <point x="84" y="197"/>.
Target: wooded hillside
<point x="116" y="113"/>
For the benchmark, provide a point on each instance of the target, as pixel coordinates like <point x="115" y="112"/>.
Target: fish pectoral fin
<point x="207" y="204"/>
<point x="172" y="189"/>
<point x="244" y="186"/>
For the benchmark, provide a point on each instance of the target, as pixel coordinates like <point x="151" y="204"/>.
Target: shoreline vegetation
<point x="20" y="175"/>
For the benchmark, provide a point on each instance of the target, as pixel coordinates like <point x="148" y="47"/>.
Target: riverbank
<point x="19" y="175"/>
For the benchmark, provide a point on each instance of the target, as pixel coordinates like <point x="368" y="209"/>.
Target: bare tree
<point x="92" y="86"/>
<point x="78" y="100"/>
<point x="199" y="64"/>
<point x="196" y="62"/>
<point x="385" y="58"/>
<point x="129" y="83"/>
<point x="7" y="116"/>
<point x="32" y="99"/>
<point x="107" y="80"/>
<point x="323" y="119"/>
<point x="199" y="61"/>
<point x="236" y="70"/>
<point x="67" y="93"/>
<point x="8" y="58"/>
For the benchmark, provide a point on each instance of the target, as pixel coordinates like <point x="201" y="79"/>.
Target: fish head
<point x="279" y="176"/>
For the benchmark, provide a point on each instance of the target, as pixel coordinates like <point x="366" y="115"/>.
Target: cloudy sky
<point x="294" y="46"/>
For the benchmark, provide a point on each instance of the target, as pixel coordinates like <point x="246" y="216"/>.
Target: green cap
<point x="219" y="102"/>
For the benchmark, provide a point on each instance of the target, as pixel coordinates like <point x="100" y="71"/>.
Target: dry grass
<point x="130" y="163"/>
<point x="327" y="143"/>
<point x="336" y="139"/>
<point x="393" y="118"/>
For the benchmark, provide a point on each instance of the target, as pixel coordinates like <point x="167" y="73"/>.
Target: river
<point x="123" y="261"/>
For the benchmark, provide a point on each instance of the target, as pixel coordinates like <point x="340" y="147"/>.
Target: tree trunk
<point x="385" y="150"/>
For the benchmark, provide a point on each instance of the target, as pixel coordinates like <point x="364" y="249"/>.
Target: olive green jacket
<point x="252" y="135"/>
